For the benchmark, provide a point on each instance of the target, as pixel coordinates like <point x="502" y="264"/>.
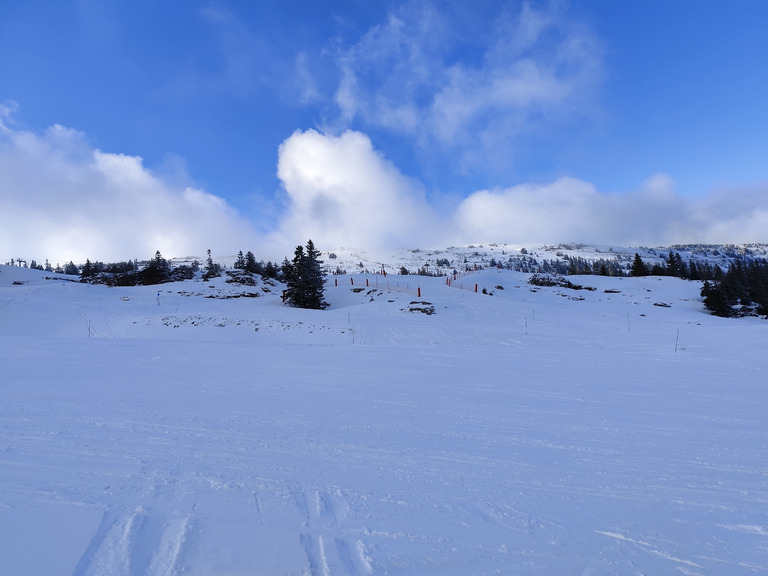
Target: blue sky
<point x="269" y="122"/>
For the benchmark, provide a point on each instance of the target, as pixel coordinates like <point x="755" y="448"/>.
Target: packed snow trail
<point x="450" y="444"/>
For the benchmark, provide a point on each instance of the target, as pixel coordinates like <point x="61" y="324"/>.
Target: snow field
<point x="524" y="432"/>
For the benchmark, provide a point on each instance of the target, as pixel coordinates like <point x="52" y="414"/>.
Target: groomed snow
<point x="550" y="432"/>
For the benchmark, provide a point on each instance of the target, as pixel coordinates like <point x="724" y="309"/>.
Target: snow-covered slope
<point x="528" y="257"/>
<point x="413" y="428"/>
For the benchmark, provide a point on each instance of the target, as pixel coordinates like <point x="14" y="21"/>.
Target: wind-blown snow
<point x="547" y="432"/>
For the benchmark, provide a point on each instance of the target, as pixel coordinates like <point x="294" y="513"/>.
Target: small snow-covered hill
<point x="415" y="427"/>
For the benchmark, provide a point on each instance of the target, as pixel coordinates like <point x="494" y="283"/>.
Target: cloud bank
<point x="342" y="192"/>
<point x="61" y="199"/>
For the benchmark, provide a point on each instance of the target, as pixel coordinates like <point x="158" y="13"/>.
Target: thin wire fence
<point x="400" y="284"/>
<point x="378" y="282"/>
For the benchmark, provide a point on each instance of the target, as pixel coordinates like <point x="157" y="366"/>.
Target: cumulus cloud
<point x="735" y="214"/>
<point x="63" y="200"/>
<point x="342" y="192"/>
<point x="573" y="210"/>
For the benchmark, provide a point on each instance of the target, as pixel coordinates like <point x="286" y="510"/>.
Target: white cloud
<point x="469" y="92"/>
<point x="393" y="70"/>
<point x="736" y="214"/>
<point x="304" y="82"/>
<point x="62" y="200"/>
<point x="573" y="210"/>
<point x="342" y="192"/>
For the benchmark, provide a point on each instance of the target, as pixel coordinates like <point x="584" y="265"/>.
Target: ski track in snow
<point x="519" y="433"/>
<point x="134" y="542"/>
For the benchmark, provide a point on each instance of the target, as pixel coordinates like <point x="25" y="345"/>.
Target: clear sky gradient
<point x="254" y="125"/>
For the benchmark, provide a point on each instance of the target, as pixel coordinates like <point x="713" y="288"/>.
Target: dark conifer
<point x="87" y="271"/>
<point x="212" y="269"/>
<point x="251" y="265"/>
<point x="305" y="279"/>
<point x="157" y="271"/>
<point x="638" y="266"/>
<point x="715" y="300"/>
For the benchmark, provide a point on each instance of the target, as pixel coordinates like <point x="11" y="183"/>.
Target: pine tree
<point x="638" y="266"/>
<point x="305" y="279"/>
<point x="271" y="270"/>
<point x="681" y="266"/>
<point x="251" y="265"/>
<point x="758" y="286"/>
<point x="671" y="264"/>
<point x="715" y="300"/>
<point x="693" y="271"/>
<point x="157" y="271"/>
<point x="290" y="270"/>
<point x="212" y="269"/>
<point x="87" y="270"/>
<point x="314" y="278"/>
<point x="240" y="261"/>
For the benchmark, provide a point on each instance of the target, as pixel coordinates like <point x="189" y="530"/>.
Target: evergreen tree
<point x="693" y="271"/>
<point x="740" y="291"/>
<point x="157" y="271"/>
<point x="305" y="278"/>
<point x="638" y="266"/>
<point x="715" y="300"/>
<point x="671" y="264"/>
<point x="87" y="271"/>
<point x="251" y="265"/>
<point x="758" y="286"/>
<point x="681" y="266"/>
<point x="240" y="261"/>
<point x="271" y="270"/>
<point x="212" y="269"/>
<point x="286" y="271"/>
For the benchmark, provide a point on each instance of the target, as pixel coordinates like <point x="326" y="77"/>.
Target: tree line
<point x="303" y="276"/>
<point x="741" y="291"/>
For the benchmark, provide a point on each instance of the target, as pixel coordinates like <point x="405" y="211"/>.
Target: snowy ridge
<point x="371" y="261"/>
<point x="529" y="430"/>
<point x="528" y="257"/>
